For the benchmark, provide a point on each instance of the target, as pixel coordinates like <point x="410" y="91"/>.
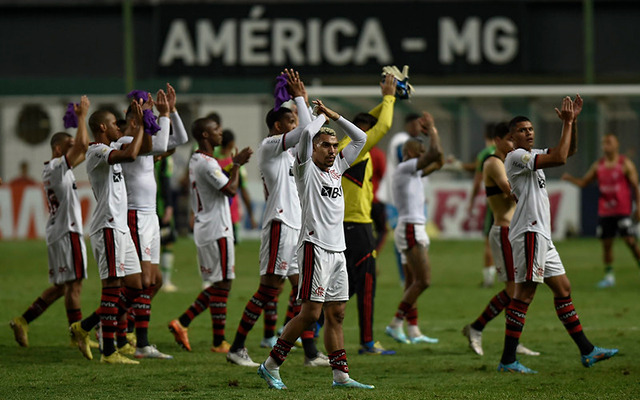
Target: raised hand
<point x="243" y="156"/>
<point x="320" y="108"/>
<point x="148" y="105"/>
<point x="136" y="111"/>
<point x="295" y="87"/>
<point x="566" y="115"/>
<point x="171" y="98"/>
<point x="82" y="109"/>
<point x="162" y="103"/>
<point x="389" y="85"/>
<point x="427" y="123"/>
<point x="577" y="106"/>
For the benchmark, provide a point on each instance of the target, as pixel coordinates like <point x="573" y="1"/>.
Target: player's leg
<point x="489" y="270"/>
<point x="223" y="263"/>
<point x="529" y="257"/>
<point x="20" y="325"/>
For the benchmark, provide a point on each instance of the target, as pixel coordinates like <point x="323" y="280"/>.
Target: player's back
<point x="208" y="203"/>
<point x="65" y="214"/>
<point x="280" y="191"/>
<point x="108" y="187"/>
<point x="408" y="192"/>
<point x="501" y="204"/>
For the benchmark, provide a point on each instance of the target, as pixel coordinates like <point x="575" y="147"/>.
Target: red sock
<point x="280" y="350"/>
<point x="412" y="316"/>
<point x="338" y="360"/>
<point x="109" y="317"/>
<point x="35" y="310"/>
<point x="74" y="315"/>
<point x="495" y="306"/>
<point x="403" y="310"/>
<point x="218" y="308"/>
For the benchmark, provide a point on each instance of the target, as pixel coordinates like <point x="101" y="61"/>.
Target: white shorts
<point x="535" y="258"/>
<point x="408" y="235"/>
<point x="67" y="259"/>
<point x="217" y="260"/>
<point x="278" y="249"/>
<point x="145" y="232"/>
<point x="323" y="276"/>
<point x="501" y="252"/>
<point x="115" y="253"/>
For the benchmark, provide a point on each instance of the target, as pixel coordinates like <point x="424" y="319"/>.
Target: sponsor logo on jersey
<point x="117" y="176"/>
<point x="542" y="183"/>
<point x="519" y="165"/>
<point x="331" y="192"/>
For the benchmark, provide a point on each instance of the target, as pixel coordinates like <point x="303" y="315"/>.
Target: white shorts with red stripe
<point x="278" y="249"/>
<point x="217" y="260"/>
<point x="145" y="232"/>
<point x="535" y="258"/>
<point x="501" y="251"/>
<point x="407" y="235"/>
<point x="67" y="259"/>
<point x="323" y="276"/>
<point x="115" y="253"/>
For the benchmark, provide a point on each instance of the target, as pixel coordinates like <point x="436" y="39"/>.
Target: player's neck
<point x="612" y="157"/>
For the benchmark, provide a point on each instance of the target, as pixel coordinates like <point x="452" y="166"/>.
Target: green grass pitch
<point x="51" y="369"/>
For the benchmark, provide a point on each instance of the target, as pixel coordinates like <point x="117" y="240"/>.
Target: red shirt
<point x="615" y="190"/>
<point x="379" y="163"/>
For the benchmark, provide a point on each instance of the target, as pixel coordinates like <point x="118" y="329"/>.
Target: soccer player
<point x="317" y="169"/>
<point x="281" y="223"/>
<point x="142" y="216"/>
<point x="111" y="240"/>
<point x="394" y="156"/>
<point x="535" y="258"/>
<point x="212" y="231"/>
<point x="502" y="207"/>
<point x="358" y="197"/>
<point x="65" y="244"/>
<point x="410" y="234"/>
<point x="617" y="178"/>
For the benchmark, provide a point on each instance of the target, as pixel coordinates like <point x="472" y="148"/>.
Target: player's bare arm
<point x="589" y="177"/>
<point x="558" y="155"/>
<point x="631" y="173"/>
<point x="76" y="154"/>
<point x="434" y="154"/>
<point x="131" y="151"/>
<point x="496" y="174"/>
<point x="241" y="158"/>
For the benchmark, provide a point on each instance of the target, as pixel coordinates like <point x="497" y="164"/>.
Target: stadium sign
<point x="244" y="39"/>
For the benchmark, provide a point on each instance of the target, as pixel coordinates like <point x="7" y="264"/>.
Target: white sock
<point x="396" y="322"/>
<point x="339" y="376"/>
<point x="489" y="274"/>
<point x="413" y="331"/>
<point x="271" y="364"/>
<point x="166" y="266"/>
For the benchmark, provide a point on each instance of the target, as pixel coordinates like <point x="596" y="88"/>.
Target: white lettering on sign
<point x="496" y="40"/>
<point x="258" y="41"/>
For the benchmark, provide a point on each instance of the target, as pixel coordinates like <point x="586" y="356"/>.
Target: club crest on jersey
<point x="526" y="157"/>
<point x="331" y="192"/>
<point x="117" y="176"/>
<point x="334" y="174"/>
<point x="319" y="291"/>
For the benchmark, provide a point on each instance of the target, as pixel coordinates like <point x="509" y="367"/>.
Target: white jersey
<point x="140" y="181"/>
<point x="394" y="157"/>
<point x="65" y="214"/>
<point x="209" y="204"/>
<point x="321" y="191"/>
<point x="528" y="185"/>
<point x="281" y="195"/>
<point x="408" y="192"/>
<point x="108" y="187"/>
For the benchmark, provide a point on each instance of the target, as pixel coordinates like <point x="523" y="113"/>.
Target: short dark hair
<point x="325" y="130"/>
<point x="227" y="137"/>
<point x="58" y="138"/>
<point x="500" y="130"/>
<point x="98" y="118"/>
<point x="274" y="116"/>
<point x="215" y="117"/>
<point x="199" y="126"/>
<point x="365" y="119"/>
<point x="411" y="117"/>
<point x="515" y="121"/>
<point x="122" y="124"/>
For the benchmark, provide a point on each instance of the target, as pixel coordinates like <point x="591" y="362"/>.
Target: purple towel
<point x="70" y="118"/>
<point x="280" y="94"/>
<point x="149" y="121"/>
<point x="138" y="94"/>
